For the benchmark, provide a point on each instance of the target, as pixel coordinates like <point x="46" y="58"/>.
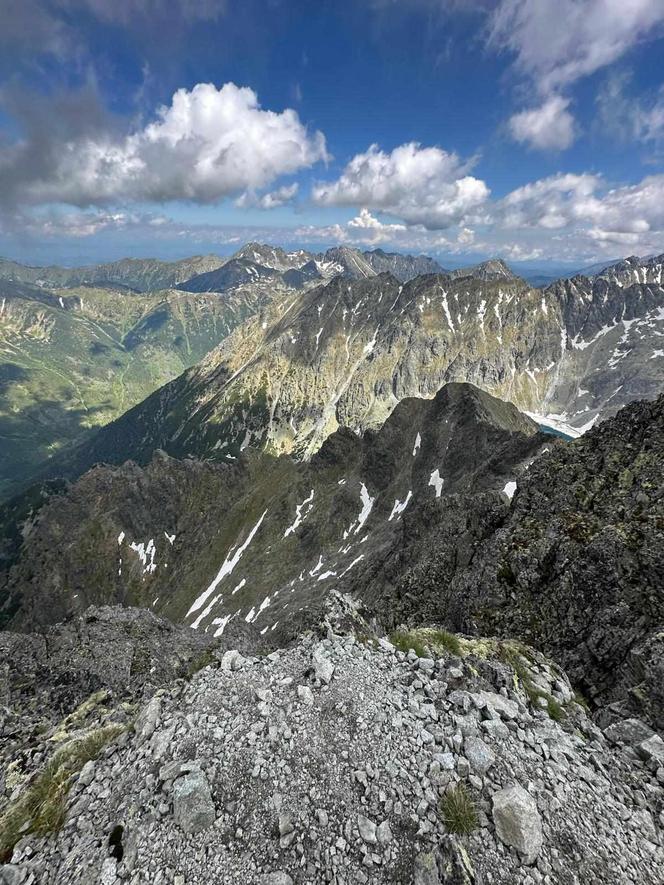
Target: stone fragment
<point x="305" y="695"/>
<point x="193" y="807"/>
<point x="652" y="749"/>
<point x="231" y="660"/>
<point x="367" y="829"/>
<point x="517" y="821"/>
<point x="323" y="669"/>
<point x="628" y="731"/>
<point x="481" y="758"/>
<point x="147" y="720"/>
<point x="278" y="878"/>
<point x="425" y="870"/>
<point x="384" y="833"/>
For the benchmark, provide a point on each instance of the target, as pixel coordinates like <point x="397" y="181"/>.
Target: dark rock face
<point x="578" y="567"/>
<point x="575" y="565"/>
<point x="116" y="654"/>
<point x="159" y="536"/>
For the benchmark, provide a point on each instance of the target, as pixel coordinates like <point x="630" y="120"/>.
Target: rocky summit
<point x="347" y="758"/>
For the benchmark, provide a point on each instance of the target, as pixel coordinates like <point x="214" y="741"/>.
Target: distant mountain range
<point x="336" y="340"/>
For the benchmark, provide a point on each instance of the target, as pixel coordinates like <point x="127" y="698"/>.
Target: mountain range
<point x="331" y="568"/>
<point x="346" y="352"/>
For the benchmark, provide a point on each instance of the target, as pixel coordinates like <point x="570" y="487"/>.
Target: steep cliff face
<point x="456" y="512"/>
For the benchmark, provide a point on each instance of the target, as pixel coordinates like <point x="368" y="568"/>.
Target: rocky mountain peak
<point x="493" y="269"/>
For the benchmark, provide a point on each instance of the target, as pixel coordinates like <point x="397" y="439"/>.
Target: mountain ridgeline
<point x="78" y="347"/>
<point x="344" y="353"/>
<point x="457" y="511"/>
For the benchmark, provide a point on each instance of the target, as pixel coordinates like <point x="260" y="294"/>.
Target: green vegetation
<point x="41" y="808"/>
<point x="76" y="359"/>
<point x="448" y="641"/>
<point x="206" y="659"/>
<point x="458" y="811"/>
<point x="513" y="654"/>
<point x="407" y="641"/>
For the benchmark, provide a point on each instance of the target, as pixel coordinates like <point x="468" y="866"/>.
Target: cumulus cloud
<point x="590" y="213"/>
<point x="548" y="127"/>
<point x="207" y="144"/>
<point x="419" y="185"/>
<point x="556" y="44"/>
<point x="282" y="196"/>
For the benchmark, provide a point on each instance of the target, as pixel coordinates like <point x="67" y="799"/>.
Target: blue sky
<point x="530" y="129"/>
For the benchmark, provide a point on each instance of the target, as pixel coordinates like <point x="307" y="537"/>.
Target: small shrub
<point x="41" y="807"/>
<point x="406" y="642"/>
<point x="555" y="709"/>
<point x="458" y="811"/>
<point x="448" y="641"/>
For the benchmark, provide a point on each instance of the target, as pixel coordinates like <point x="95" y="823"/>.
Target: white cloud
<point x="557" y="43"/>
<point x="420" y="185"/>
<point x="548" y="127"/>
<point x="370" y="230"/>
<point x="207" y="144"/>
<point x="625" y="116"/>
<point x="272" y="200"/>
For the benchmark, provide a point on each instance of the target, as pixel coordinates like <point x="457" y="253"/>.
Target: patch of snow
<point x="509" y="489"/>
<point x="170" y="538"/>
<point x="299" y="515"/>
<point x="146" y="553"/>
<point x="400" y="506"/>
<point x="226" y="568"/>
<point x="436" y="480"/>
<point x="418" y="443"/>
<point x="221" y="622"/>
<point x="121" y="538"/>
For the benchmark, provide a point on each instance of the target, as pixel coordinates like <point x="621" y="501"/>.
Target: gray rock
<point x="108" y="871"/>
<point x="517" y="821"/>
<point x="652" y="749"/>
<point x="425" y="871"/>
<point x="278" y="878"/>
<point x="323" y="669"/>
<point x="367" y="829"/>
<point x="305" y="695"/>
<point x="384" y="833"/>
<point x="193" y="807"/>
<point x="87" y="774"/>
<point x="10" y="875"/>
<point x="147" y="720"/>
<point x="481" y="758"/>
<point x="506" y="708"/>
<point x="628" y="731"/>
<point x="231" y="660"/>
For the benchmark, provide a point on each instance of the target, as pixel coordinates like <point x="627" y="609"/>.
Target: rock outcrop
<point x="263" y="773"/>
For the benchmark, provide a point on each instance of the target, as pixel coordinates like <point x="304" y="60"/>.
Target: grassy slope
<point x="65" y="370"/>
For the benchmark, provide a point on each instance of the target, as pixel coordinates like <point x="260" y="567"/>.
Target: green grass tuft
<point x="448" y="641"/>
<point x="458" y="811"/>
<point x="41" y="808"/>
<point x="406" y="642"/>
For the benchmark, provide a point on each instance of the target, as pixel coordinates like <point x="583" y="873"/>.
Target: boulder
<point x="193" y="807"/>
<point x="481" y="758"/>
<point x="517" y="821"/>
